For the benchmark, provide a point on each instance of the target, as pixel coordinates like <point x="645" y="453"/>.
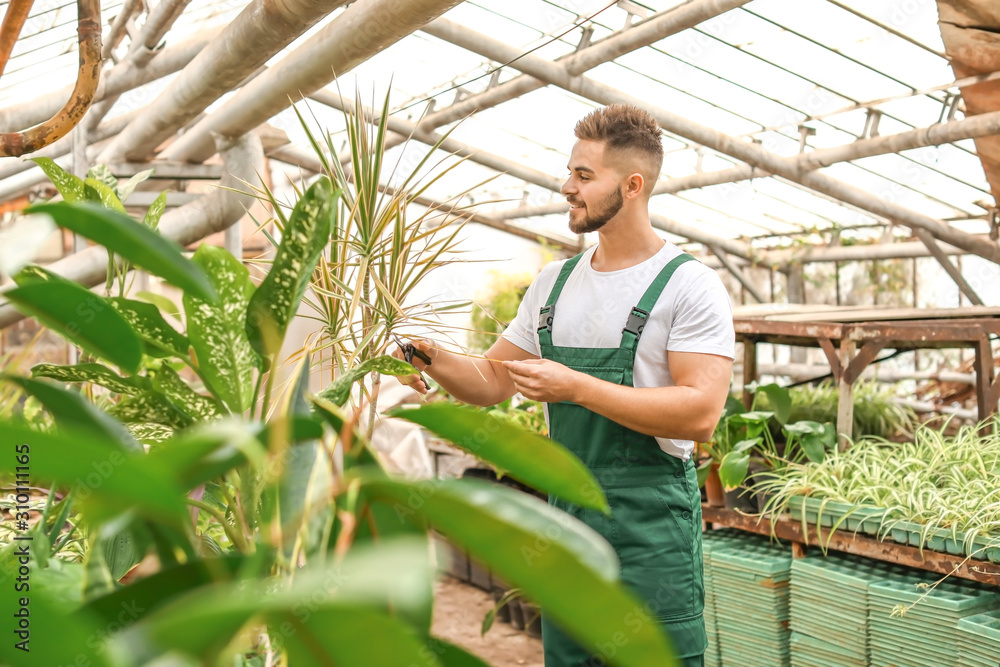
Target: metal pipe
<point x="307" y="160"/>
<point x="949" y="268"/>
<point x="87" y="78"/>
<point x="626" y="40"/>
<point x="117" y="81"/>
<point x="982" y="125"/>
<point x="516" y="170"/>
<point x="361" y="31"/>
<point x="737" y="273"/>
<point x="117" y="30"/>
<point x="262" y="29"/>
<point x="750" y="153"/>
<point x="243" y="160"/>
<point x="803" y="371"/>
<point x="12" y="166"/>
<point x="141" y="50"/>
<point x="13" y="21"/>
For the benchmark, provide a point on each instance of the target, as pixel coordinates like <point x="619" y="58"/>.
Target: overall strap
<point x="640" y="312"/>
<point x="548" y="311"/>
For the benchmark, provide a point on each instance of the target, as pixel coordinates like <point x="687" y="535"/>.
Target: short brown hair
<point x="628" y="132"/>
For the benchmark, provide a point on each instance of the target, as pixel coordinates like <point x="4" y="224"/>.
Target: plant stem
<point x="234" y="535"/>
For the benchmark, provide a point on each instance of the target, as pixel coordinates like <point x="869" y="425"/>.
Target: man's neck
<point x="625" y="243"/>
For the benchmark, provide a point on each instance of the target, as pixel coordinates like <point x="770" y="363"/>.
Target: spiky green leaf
<point x="150" y="406"/>
<point x="152" y="328"/>
<point x="98" y="374"/>
<point x="155" y="211"/>
<point x="338" y="392"/>
<point x="170" y="384"/>
<point x="99" y="193"/>
<point x="217" y="331"/>
<point x="303" y="239"/>
<point x="132" y="241"/>
<point x="83" y="318"/>
<point x="68" y="185"/>
<point x="128" y="187"/>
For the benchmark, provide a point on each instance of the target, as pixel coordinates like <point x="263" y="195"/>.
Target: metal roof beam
<point x="262" y="29"/>
<point x="243" y="161"/>
<point x="115" y="82"/>
<point x="753" y="154"/>
<point x="656" y="27"/>
<point x="517" y="170"/>
<point x="361" y="31"/>
<point x="940" y="133"/>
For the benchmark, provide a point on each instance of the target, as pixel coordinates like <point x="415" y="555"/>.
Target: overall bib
<point x="655" y="521"/>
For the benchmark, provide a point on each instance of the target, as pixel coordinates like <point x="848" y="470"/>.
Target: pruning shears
<point x="409" y="351"/>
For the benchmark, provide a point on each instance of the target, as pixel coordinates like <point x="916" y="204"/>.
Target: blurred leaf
<point x="67" y="184"/>
<point x="109" y="479"/>
<point x="207" y="451"/>
<point x="81" y="317"/>
<point x="538" y="462"/>
<point x="217" y="331"/>
<point x="124" y="549"/>
<point x="702" y="472"/>
<point x="733" y="470"/>
<point x="303" y="239"/>
<point x="49" y="636"/>
<point x="573" y="576"/>
<point x="102" y="174"/>
<point x="150" y="433"/>
<point x="152" y="328"/>
<point x="779" y="399"/>
<point x="126" y="189"/>
<point x="94" y="373"/>
<point x="99" y="193"/>
<point x="340" y="390"/>
<point x="133" y="241"/>
<point x="72" y="411"/>
<point x="150" y="406"/>
<point x="200" y="408"/>
<point x="161" y="302"/>
<point x="328" y="615"/>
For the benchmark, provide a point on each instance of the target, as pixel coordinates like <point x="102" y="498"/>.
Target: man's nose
<point x="567" y="186"/>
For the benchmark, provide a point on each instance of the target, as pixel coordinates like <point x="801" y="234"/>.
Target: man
<point x="630" y="345"/>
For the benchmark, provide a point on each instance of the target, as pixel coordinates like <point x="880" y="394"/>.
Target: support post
<point x="983" y="365"/>
<point x="749" y="369"/>
<point x="932" y="245"/>
<point x="743" y="279"/>
<point x="845" y="399"/>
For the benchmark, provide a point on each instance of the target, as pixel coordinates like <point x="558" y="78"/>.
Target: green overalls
<point x="655" y="522"/>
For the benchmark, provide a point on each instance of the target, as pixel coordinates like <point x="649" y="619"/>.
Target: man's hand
<point x="414" y="381"/>
<point x="545" y="380"/>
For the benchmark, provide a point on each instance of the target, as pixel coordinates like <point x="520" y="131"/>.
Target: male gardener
<point x="630" y="345"/>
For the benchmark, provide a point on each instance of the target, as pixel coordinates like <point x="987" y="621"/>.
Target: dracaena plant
<point x="385" y="241"/>
<point x="292" y="560"/>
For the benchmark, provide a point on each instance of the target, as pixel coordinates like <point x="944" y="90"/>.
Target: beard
<point x="607" y="209"/>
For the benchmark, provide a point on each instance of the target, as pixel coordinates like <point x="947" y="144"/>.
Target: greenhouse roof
<point x="769" y="78"/>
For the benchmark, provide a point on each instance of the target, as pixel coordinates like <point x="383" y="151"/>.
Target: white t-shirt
<point x="693" y="314"/>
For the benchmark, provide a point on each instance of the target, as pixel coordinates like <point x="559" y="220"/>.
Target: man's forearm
<point x="469" y="379"/>
<point x="683" y="413"/>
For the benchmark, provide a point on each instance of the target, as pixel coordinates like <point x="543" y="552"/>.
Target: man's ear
<point x="633" y="185"/>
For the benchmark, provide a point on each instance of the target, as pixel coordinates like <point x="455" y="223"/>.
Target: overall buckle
<point x="545" y="315"/>
<point x="636" y="321"/>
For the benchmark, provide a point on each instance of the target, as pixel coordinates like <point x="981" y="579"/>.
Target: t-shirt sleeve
<point x="703" y="317"/>
<point x="522" y="331"/>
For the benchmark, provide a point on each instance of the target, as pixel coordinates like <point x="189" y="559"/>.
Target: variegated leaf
<point x="217" y="332"/>
<point x="303" y="239"/>
<point x="128" y="187"/>
<point x="32" y="273"/>
<point x="155" y="211"/>
<point x="98" y="374"/>
<point x="152" y="328"/>
<point x="150" y="433"/>
<point x="150" y="406"/>
<point x="68" y="185"/>
<point x="98" y="192"/>
<point x="173" y="386"/>
<point x="101" y="173"/>
<point x="338" y="392"/>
